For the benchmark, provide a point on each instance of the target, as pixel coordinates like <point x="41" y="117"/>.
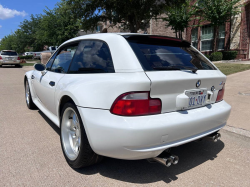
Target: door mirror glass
<point x="39" y="67"/>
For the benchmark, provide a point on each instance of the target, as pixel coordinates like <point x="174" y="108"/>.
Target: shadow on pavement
<point x="191" y="155"/>
<point x="52" y="125"/>
<point x="11" y="66"/>
<point x="141" y="172"/>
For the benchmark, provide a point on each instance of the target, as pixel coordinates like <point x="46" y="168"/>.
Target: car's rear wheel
<point x="74" y="141"/>
<point x="28" y="97"/>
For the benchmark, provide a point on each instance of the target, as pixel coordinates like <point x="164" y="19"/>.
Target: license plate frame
<point x="197" y="97"/>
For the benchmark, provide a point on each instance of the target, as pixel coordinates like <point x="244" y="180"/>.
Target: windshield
<point x="155" y="57"/>
<point x="9" y="53"/>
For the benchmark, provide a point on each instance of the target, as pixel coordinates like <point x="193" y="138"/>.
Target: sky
<point x="13" y="12"/>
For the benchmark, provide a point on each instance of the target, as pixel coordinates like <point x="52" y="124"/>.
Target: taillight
<point x="1" y="58"/>
<point x="18" y="58"/>
<point x="220" y="94"/>
<point x="136" y="104"/>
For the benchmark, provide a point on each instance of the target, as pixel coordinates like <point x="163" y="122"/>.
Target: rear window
<point x="160" y="53"/>
<point x="9" y="53"/>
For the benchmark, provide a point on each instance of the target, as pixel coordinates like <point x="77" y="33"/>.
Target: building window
<point x="221" y="39"/>
<point x="207" y="36"/>
<point x="194" y="38"/>
<point x="99" y="28"/>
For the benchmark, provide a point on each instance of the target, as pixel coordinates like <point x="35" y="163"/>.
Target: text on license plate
<point x="197" y="100"/>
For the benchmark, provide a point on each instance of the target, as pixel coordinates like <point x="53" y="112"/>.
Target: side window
<point x="49" y="63"/>
<point x="92" y="56"/>
<point x="63" y="59"/>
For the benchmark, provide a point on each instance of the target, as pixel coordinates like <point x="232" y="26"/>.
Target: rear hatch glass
<point x="9" y="53"/>
<point x="176" y="71"/>
<point x="163" y="53"/>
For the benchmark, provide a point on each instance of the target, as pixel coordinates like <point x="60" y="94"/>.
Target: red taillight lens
<point x="220" y="94"/>
<point x="1" y="58"/>
<point x="18" y="58"/>
<point x="136" y="104"/>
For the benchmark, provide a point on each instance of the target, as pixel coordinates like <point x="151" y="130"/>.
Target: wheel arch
<point x="64" y="99"/>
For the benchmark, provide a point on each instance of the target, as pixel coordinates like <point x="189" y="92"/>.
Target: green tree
<point x="57" y="25"/>
<point x="132" y="15"/>
<point x="218" y="12"/>
<point x="27" y="33"/>
<point x="179" y="16"/>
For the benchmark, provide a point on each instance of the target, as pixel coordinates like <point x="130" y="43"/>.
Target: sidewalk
<point x="237" y="94"/>
<point x="233" y="61"/>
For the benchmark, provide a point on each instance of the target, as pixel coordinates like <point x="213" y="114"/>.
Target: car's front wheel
<point x="74" y="141"/>
<point x="28" y="97"/>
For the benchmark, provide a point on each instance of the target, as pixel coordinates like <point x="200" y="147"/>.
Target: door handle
<point x="52" y="83"/>
<point x="32" y="77"/>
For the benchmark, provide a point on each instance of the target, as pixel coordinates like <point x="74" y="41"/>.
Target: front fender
<point x="27" y="76"/>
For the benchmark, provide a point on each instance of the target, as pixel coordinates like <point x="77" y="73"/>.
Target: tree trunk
<point x="216" y="33"/>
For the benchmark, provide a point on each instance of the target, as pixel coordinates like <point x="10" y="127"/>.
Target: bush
<point x="26" y="57"/>
<point x="229" y="55"/>
<point x="207" y="56"/>
<point x="217" y="56"/>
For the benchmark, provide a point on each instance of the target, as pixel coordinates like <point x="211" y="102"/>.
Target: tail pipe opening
<point x="213" y="137"/>
<point x="165" y="159"/>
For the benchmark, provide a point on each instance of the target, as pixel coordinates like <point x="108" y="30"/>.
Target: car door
<point x="45" y="85"/>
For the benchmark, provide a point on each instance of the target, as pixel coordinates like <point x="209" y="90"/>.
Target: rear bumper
<point x="147" y="136"/>
<point x="9" y="62"/>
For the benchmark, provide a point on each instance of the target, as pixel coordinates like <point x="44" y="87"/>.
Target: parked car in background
<point x="28" y="53"/>
<point x="9" y="57"/>
<point x="128" y="96"/>
<point x="37" y="55"/>
<point x="51" y="49"/>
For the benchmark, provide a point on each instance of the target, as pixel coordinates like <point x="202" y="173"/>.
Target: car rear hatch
<point x="9" y="56"/>
<point x="180" y="75"/>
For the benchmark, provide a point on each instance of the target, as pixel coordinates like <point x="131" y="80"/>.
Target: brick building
<point x="234" y="35"/>
<point x="156" y="27"/>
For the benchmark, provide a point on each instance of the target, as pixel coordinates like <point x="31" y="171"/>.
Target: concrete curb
<point x="239" y="131"/>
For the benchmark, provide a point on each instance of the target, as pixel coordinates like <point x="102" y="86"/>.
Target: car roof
<point x="101" y="36"/>
<point x="8" y="51"/>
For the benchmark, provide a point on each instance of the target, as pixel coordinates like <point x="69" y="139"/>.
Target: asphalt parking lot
<point x="30" y="152"/>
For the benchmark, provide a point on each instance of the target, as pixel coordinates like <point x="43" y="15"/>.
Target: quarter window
<point x="92" y="56"/>
<point x="63" y="59"/>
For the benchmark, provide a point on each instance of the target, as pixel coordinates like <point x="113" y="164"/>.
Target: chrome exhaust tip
<point x="164" y="161"/>
<point x="213" y="137"/>
<point x="218" y="136"/>
<point x="175" y="159"/>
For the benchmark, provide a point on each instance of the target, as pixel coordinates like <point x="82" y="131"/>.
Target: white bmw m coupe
<point x="128" y="96"/>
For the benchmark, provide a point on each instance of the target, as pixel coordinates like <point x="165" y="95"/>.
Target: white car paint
<point x="135" y="137"/>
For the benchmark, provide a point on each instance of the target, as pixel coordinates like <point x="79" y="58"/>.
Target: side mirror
<point x="39" y="67"/>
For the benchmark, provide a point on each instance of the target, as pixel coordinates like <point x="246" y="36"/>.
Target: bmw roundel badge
<point x="198" y="83"/>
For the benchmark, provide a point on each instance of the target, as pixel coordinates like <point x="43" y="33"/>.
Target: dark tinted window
<point x="9" y="53"/>
<point x="50" y="62"/>
<point x="63" y="59"/>
<point x="156" y="54"/>
<point x="92" y="56"/>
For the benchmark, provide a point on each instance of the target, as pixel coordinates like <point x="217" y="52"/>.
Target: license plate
<point x="197" y="97"/>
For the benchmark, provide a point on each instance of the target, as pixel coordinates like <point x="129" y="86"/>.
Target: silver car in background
<point x="9" y="57"/>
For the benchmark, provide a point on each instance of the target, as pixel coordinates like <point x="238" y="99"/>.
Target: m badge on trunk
<point x="198" y="83"/>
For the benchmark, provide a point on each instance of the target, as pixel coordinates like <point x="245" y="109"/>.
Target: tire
<point x="74" y="141"/>
<point x="28" y="97"/>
